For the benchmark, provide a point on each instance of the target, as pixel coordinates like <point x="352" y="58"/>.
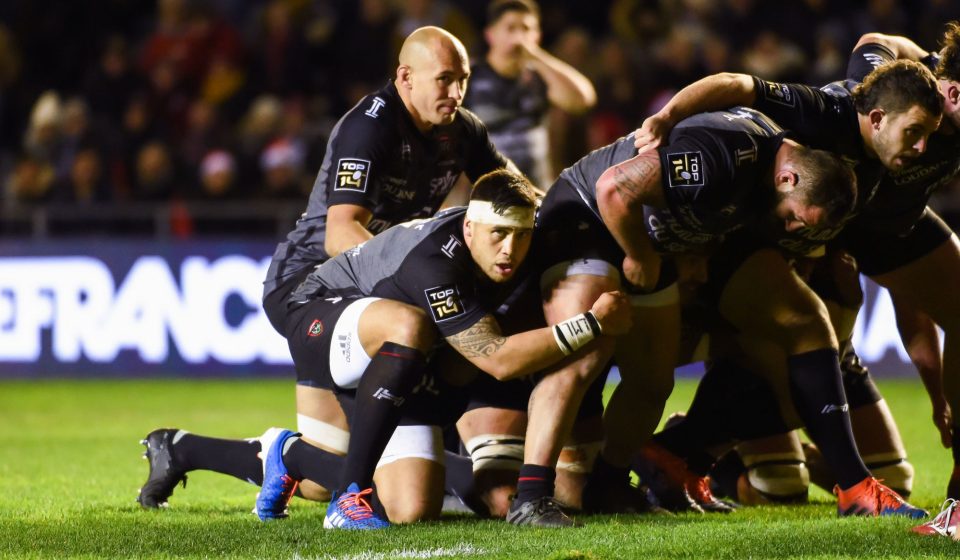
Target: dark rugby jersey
<point x="424" y="263"/>
<point x="514" y="111"/>
<point x="825" y="119"/>
<point x="712" y="172"/>
<point x="376" y="158"/>
<point x="903" y="195"/>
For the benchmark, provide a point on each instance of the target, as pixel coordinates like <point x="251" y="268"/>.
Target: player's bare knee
<point x="806" y="328"/>
<point x="411" y="509"/>
<point x="410" y="327"/>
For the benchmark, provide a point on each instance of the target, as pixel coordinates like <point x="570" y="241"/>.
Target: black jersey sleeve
<point x="865" y="58"/>
<point x="446" y="291"/>
<point x="481" y="156"/>
<point x="808" y="112"/>
<point x="359" y="154"/>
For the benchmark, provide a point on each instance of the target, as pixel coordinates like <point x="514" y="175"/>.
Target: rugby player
<point x="605" y="224"/>
<point x="388" y="297"/>
<point x="394" y="157"/>
<point x="886" y="122"/>
<point x="514" y="86"/>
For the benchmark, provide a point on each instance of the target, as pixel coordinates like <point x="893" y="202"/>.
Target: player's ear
<point x="953" y="93"/>
<point x="876" y="117"/>
<point x="468" y="231"/>
<point x="787" y="179"/>
<point x="404" y="76"/>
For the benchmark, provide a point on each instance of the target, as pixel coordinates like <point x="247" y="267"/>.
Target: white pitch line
<point x="458" y="551"/>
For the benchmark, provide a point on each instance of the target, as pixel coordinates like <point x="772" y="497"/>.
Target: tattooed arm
<point x="622" y="192"/>
<point x="508" y="357"/>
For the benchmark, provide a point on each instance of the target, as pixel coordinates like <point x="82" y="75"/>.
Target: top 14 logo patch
<point x="352" y="174"/>
<point x="686" y="169"/>
<point x="444" y="302"/>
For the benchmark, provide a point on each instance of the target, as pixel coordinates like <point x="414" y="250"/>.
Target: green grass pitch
<point x="70" y="468"/>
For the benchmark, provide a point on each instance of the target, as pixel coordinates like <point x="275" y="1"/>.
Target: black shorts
<point x="878" y="252"/>
<point x="568" y="230"/>
<point x="309" y="330"/>
<point x="275" y="302"/>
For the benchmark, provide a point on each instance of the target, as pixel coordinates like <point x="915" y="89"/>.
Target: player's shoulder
<point x="377" y="111"/>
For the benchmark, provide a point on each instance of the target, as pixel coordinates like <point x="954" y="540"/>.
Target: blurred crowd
<point x="133" y="100"/>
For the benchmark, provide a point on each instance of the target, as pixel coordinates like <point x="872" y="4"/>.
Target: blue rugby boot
<point x="278" y="486"/>
<point x="350" y="510"/>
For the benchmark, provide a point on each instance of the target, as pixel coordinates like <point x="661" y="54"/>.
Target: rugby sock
<point x="235" y="457"/>
<point x="731" y="403"/>
<point x="459" y="479"/>
<point x="305" y="461"/>
<point x="817" y="390"/>
<point x="386" y="384"/>
<point x="534" y="482"/>
<point x="605" y="474"/>
<point x="955" y="447"/>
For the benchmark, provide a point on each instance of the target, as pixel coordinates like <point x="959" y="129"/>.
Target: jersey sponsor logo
<point x="686" y="169"/>
<point x="440" y="186"/>
<point x="450" y="246"/>
<point x="352" y="175"/>
<point x="444" y="302"/>
<point x="779" y="93"/>
<point x="316" y="328"/>
<point x="375" y="105"/>
<point x="746" y="155"/>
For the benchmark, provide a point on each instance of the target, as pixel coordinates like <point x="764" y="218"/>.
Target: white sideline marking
<point x="459" y="550"/>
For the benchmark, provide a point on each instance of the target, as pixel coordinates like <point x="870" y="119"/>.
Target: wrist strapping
<point x="576" y="331"/>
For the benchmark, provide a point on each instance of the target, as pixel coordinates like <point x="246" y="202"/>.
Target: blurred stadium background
<point x="152" y="153"/>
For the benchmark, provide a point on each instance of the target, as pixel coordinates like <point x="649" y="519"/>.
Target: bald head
<point x="427" y="43"/>
<point x="432" y="76"/>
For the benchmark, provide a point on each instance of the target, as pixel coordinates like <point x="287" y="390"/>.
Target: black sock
<point x="308" y="462"/>
<point x="235" y="457"/>
<point x="459" y="475"/>
<point x="955" y="448"/>
<point x="386" y="384"/>
<point x="817" y="390"/>
<point x="605" y="474"/>
<point x="534" y="482"/>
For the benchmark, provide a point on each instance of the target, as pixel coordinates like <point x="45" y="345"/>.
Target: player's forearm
<point x="509" y="357"/>
<point x="567" y="88"/>
<point x="715" y="92"/>
<point x="345" y="235"/>
<point x="922" y="343"/>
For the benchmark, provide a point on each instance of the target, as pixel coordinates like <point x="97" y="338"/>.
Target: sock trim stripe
<point x="529" y="478"/>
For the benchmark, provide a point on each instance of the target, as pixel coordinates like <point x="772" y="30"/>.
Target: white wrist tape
<point x="575" y="332"/>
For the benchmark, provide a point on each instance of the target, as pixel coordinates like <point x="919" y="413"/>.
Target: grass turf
<point x="70" y="470"/>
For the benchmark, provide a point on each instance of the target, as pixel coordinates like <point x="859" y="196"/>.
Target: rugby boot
<point x="870" y="497"/>
<point x="542" y="512"/>
<point x="698" y="487"/>
<point x="618" y="498"/>
<point x="278" y="486"/>
<point x="944" y="524"/>
<point x="665" y="475"/>
<point x="351" y="510"/>
<point x="165" y="474"/>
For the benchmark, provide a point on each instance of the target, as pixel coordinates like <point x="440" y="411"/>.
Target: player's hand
<point x="652" y="133"/>
<point x="943" y="420"/>
<point x="642" y="274"/>
<point x="612" y="310"/>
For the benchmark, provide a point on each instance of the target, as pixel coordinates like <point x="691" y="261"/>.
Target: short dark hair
<point x="897" y="86"/>
<point x="497" y="8"/>
<point x="504" y="189"/>
<point x="949" y="67"/>
<point x="826" y="181"/>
